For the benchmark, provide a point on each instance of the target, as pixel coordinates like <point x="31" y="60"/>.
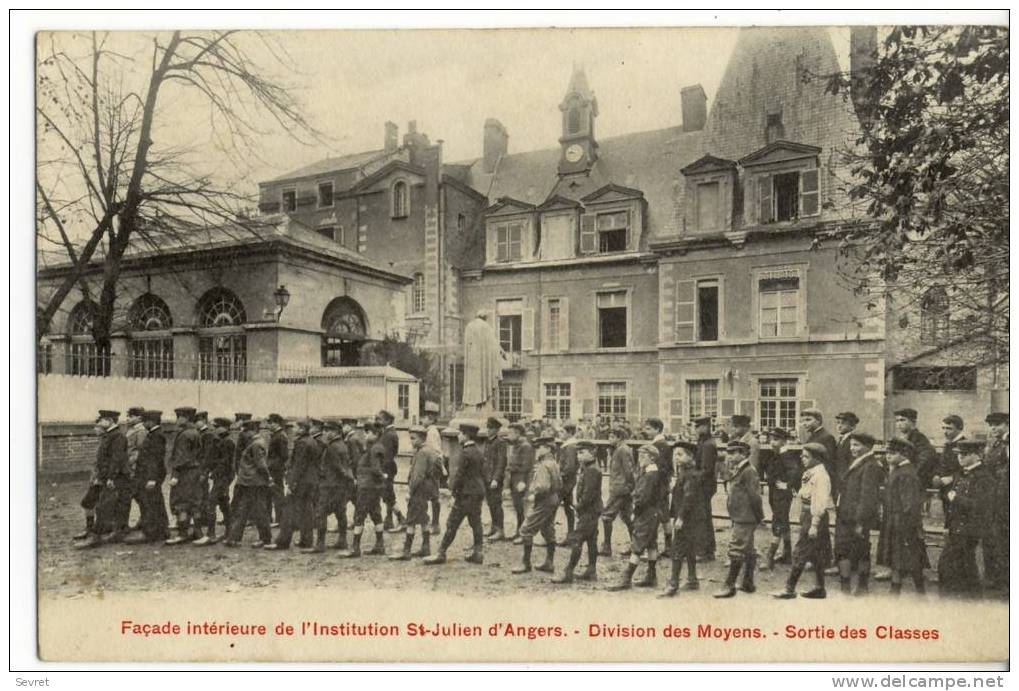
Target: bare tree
<point x="104" y="183"/>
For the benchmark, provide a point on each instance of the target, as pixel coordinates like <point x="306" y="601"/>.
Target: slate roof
<point x="330" y="165"/>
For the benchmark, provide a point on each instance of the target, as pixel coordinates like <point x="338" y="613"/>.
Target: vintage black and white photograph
<point x="666" y="344"/>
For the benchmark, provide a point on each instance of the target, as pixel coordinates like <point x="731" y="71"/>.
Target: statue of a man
<point x="483" y="361"/>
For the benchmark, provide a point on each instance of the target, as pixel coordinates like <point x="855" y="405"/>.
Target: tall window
<point x="702" y="397"/>
<point x="554" y="323"/>
<point x="151" y="352"/>
<point x="707" y="310"/>
<point x="708" y="206"/>
<point x="557" y="401"/>
<point x="403" y="400"/>
<point x="779" y="299"/>
<point x="509" y="242"/>
<point x="934" y="319"/>
<point x="290" y="200"/>
<point x="325" y="195"/>
<point x="612" y="231"/>
<point x="511" y="399"/>
<point x="417" y="293"/>
<point x="612" y="319"/>
<point x="83" y="356"/>
<point x="612" y="398"/>
<point x="788" y="196"/>
<point x="510" y="315"/>
<point x="222" y="354"/>
<point x="401" y="200"/>
<point x="456" y="385"/>
<point x="345" y="330"/>
<point x="777" y="401"/>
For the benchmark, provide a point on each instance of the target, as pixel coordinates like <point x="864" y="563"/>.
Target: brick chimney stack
<point x="392" y="142"/>
<point x="695" y="107"/>
<point x="496" y="144"/>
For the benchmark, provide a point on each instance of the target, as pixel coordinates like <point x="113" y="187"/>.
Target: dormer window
<point x="788" y="196"/>
<point x="709" y="185"/>
<point x="782" y="183"/>
<point x="612" y="231"/>
<point x="509" y="241"/>
<point x="325" y="195"/>
<point x="400" y="200"/>
<point x="289" y="201"/>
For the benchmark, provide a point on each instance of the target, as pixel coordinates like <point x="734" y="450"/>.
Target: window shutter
<point x="527" y="407"/>
<point x="588" y="234"/>
<point x="633" y="409"/>
<point x="630" y="235"/>
<point x="564" y="324"/>
<point x="728" y="407"/>
<point x="686" y="294"/>
<point x="490" y="249"/>
<point x="764" y="199"/>
<point x="749" y="202"/>
<point x="527" y="329"/>
<point x="587" y="405"/>
<point x="809" y="193"/>
<point x="691" y="207"/>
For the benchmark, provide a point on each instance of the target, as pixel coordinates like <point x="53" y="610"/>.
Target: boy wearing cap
<point x="646" y="515"/>
<point x="150" y="471"/>
<point x="335" y="485"/>
<point x="622" y="479"/>
<point x="206" y="460"/>
<point x="924" y="455"/>
<point x="421" y="487"/>
<point x="433" y="440"/>
<point x="741" y="432"/>
<point x="251" y="489"/>
<point x="707" y="463"/>
<point x="390" y="441"/>
<point x="812" y="424"/>
<point x="782" y="472"/>
<point x="111" y="480"/>
<point x="302" y="487"/>
<point x="857" y="513"/>
<point x="545" y="487"/>
<point x="654" y="429"/>
<point x="746" y="511"/>
<point x="947" y="464"/>
<point x="996" y="552"/>
<point x="845" y="425"/>
<point x="278" y="455"/>
<point x="467" y="483"/>
<point x="519" y="463"/>
<point x="569" y="466"/>
<point x="371" y="480"/>
<point x="902" y="543"/>
<point x="686" y="523"/>
<point x="588" y="507"/>
<point x="186" y="477"/>
<point x="221" y="472"/>
<point x="135" y="433"/>
<point x="495" y="473"/>
<point x="813" y="546"/>
<point x="972" y="509"/>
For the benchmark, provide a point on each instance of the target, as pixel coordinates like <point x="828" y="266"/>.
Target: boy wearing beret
<point x="588" y="506"/>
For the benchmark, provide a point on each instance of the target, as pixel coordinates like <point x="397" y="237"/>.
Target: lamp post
<point x="281" y="296"/>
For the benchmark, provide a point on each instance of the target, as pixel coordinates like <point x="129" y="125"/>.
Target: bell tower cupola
<point x="579" y="107"/>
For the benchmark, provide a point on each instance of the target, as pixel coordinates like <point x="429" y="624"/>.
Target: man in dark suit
<point x="302" y="487"/>
<point x="467" y="483"/>
<point x="112" y="479"/>
<point x="971" y="497"/>
<point x="707" y="461"/>
<point x="186" y="493"/>
<point x="812" y="424"/>
<point x="845" y="425"/>
<point x="150" y="471"/>
<point x="925" y="455"/>
<point x="857" y="513"/>
<point x="335" y="486"/>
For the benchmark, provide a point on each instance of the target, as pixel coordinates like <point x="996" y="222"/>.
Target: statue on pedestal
<point x="483" y="364"/>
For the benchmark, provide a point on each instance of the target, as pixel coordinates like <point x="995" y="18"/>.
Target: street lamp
<point x="282" y="296"/>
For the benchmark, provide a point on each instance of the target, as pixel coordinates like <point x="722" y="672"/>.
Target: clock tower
<point x="579" y="107"/>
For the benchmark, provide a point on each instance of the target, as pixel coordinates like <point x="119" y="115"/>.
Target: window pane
<point x="707" y="206"/>
<point x="612" y="327"/>
<point x="707" y="312"/>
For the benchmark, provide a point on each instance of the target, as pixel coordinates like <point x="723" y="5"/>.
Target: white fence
<point x="66" y="398"/>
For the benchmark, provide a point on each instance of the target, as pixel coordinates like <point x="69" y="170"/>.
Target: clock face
<point x="574" y="152"/>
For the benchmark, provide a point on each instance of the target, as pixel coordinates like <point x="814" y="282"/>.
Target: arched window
<point x="346" y="330"/>
<point x="220" y="307"/>
<point x="222" y="354"/>
<point x="83" y="355"/>
<point x="573" y="120"/>
<point x="401" y="199"/>
<point x="417" y="293"/>
<point x="934" y="319"/>
<point x="150" y="354"/>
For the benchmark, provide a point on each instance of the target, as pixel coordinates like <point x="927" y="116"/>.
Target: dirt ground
<point x="68" y="573"/>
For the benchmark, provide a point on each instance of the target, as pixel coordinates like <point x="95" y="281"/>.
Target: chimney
<point x="392" y="137"/>
<point x="496" y="143"/>
<point x="862" y="53"/>
<point x="416" y="142"/>
<point x="695" y="107"/>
